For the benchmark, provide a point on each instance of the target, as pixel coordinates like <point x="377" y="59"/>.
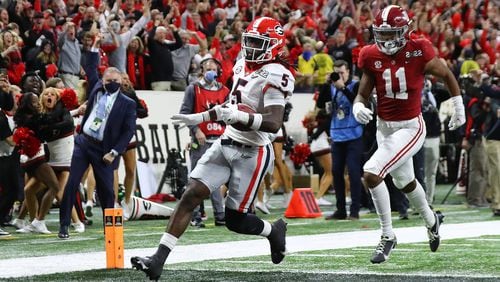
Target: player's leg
<point x="397" y="143"/>
<point x="249" y="166"/>
<point x="129" y="160"/>
<point x="404" y="180"/>
<point x="209" y="174"/>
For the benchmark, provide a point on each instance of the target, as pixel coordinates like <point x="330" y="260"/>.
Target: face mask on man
<point x="307" y="55"/>
<point x="112" y="86"/>
<point x="210" y="76"/>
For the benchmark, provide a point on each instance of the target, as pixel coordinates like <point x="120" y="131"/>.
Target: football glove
<point x="361" y="113"/>
<point x="458" y="117"/>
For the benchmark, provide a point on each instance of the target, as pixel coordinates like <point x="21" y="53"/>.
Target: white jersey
<point x="249" y="88"/>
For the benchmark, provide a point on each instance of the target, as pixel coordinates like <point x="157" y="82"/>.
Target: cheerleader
<point x="28" y="122"/>
<point x="57" y="130"/>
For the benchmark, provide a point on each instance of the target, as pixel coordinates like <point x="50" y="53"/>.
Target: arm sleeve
<point x="274" y="96"/>
<point x="427" y="50"/>
<point x="140" y="24"/>
<point x="128" y="129"/>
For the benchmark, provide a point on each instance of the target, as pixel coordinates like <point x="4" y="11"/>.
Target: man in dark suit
<point x="107" y="127"/>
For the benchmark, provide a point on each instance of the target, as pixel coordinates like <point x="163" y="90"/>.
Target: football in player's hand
<point x="247" y="109"/>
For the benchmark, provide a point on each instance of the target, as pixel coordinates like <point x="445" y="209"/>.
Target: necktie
<point x="101" y="106"/>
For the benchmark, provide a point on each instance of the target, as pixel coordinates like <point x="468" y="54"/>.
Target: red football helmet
<point x="390" y="29"/>
<point x="263" y="40"/>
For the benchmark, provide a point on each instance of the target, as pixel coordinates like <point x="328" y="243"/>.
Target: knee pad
<point x="234" y="220"/>
<point x="401" y="182"/>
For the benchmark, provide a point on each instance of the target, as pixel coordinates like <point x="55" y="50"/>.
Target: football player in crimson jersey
<point x="396" y="66"/>
<point x="241" y="157"/>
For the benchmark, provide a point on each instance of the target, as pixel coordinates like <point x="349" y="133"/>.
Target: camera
<point x="334" y="76"/>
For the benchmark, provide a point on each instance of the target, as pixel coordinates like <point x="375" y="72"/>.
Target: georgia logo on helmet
<point x="390" y="29"/>
<point x="263" y="40"/>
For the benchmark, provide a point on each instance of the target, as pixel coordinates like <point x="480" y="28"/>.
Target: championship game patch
<point x="238" y="69"/>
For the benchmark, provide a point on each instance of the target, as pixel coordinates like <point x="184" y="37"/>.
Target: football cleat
<point x="383" y="249"/>
<point x="277" y="239"/>
<point x="433" y="232"/>
<point x="149" y="265"/>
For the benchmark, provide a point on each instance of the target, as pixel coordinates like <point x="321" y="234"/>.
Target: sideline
<point x="30" y="266"/>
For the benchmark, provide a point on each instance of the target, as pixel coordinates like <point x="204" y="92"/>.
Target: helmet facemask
<point x="257" y="48"/>
<point x="389" y="39"/>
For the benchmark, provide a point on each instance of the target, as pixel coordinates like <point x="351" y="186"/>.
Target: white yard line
<point x="30" y="266"/>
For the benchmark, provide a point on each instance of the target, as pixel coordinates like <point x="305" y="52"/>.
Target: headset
<point x="219" y="65"/>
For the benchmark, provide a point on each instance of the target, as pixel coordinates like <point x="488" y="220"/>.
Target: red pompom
<point x="50" y="70"/>
<point x="28" y="143"/>
<point x="300" y="153"/>
<point x="69" y="98"/>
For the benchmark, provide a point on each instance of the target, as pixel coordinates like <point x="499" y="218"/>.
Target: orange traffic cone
<point x="303" y="204"/>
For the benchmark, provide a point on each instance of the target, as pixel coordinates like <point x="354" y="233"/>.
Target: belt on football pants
<point x="232" y="142"/>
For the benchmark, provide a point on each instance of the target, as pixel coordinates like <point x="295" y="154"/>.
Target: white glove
<point x="189" y="119"/>
<point x="458" y="117"/>
<point x="230" y="114"/>
<point x="361" y="113"/>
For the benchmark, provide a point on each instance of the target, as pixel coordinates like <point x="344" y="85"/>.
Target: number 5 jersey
<point x="251" y="87"/>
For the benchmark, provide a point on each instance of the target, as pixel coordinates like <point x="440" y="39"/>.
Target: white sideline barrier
<point x="152" y="131"/>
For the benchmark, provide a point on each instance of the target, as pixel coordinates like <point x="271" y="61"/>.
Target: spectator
<point x="32" y="82"/>
<point x="162" y="66"/>
<point x="70" y="56"/>
<point x="340" y="50"/>
<point x="11" y="58"/>
<point x="305" y="69"/>
<point x="182" y="58"/>
<point x="138" y="64"/>
<point x="104" y="136"/>
<point x="492" y="145"/>
<point x="45" y="61"/>
<point x="35" y="36"/>
<point x="89" y="59"/>
<point x="118" y="58"/>
<point x="323" y="64"/>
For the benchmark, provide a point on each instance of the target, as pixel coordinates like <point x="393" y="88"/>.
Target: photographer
<point x="472" y="140"/>
<point x="346" y="134"/>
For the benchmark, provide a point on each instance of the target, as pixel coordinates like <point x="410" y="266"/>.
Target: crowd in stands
<point x="160" y="44"/>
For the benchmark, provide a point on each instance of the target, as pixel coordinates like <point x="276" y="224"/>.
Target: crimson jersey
<point x="399" y="78"/>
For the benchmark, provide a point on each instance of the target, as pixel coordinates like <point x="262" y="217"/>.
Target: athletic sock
<point x="167" y="244"/>
<point x="266" y="231"/>
<point x="417" y="199"/>
<point x="382" y="203"/>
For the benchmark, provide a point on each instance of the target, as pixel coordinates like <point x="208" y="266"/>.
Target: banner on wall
<point x="155" y="134"/>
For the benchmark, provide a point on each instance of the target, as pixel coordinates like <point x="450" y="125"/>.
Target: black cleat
<point x="149" y="265"/>
<point x="277" y="239"/>
<point x="384" y="249"/>
<point x="433" y="232"/>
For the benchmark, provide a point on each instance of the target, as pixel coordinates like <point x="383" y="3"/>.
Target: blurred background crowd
<point x="159" y="44"/>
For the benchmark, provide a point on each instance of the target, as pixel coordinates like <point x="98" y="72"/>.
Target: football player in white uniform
<point x="243" y="154"/>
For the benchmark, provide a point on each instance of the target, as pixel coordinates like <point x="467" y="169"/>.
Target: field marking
<point x="321" y="255"/>
<point x="484" y="239"/>
<point x="16" y="267"/>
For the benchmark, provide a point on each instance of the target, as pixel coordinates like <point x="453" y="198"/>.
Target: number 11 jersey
<point x="399" y="78"/>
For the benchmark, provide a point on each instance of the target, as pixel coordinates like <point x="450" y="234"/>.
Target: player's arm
<point x="361" y="113"/>
<point x="440" y="70"/>
<point x="366" y="85"/>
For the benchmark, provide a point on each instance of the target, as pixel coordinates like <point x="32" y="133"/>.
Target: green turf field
<point x="456" y="260"/>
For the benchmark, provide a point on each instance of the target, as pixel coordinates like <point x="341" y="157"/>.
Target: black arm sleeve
<point x="4" y="127"/>
<point x="351" y="95"/>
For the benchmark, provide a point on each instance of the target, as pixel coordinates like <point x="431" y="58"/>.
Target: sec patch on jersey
<point x="247" y="109"/>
